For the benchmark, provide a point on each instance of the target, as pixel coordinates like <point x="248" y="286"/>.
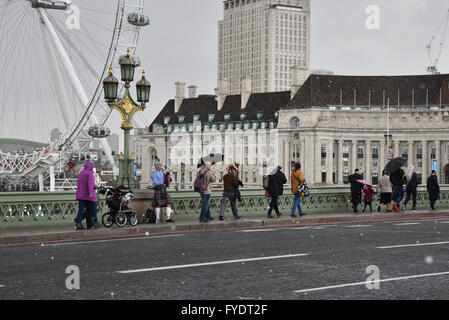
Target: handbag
<point x="303" y="189"/>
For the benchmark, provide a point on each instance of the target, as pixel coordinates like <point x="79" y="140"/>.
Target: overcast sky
<point x="181" y="42"/>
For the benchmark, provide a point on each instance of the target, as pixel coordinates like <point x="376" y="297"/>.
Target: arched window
<point x="294" y="122"/>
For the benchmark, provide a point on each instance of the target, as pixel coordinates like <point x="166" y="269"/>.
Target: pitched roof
<point x="325" y="90"/>
<point x="262" y="104"/>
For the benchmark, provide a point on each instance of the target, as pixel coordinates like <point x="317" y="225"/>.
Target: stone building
<point x="332" y="125"/>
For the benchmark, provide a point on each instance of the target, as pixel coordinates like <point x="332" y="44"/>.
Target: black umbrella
<point x="213" y="158"/>
<point x="395" y="164"/>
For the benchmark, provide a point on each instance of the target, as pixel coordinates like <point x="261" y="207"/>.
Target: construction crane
<point x="435" y="59"/>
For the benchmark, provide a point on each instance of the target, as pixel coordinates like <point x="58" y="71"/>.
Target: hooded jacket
<point x="86" y="184"/>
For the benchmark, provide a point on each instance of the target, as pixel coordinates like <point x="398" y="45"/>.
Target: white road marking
<point x="444" y="222"/>
<point x="359" y="226"/>
<point x="414" y="245"/>
<point x="213" y="263"/>
<point x="256" y="230"/>
<point x="1" y="285"/>
<point x="407" y="224"/>
<point x="373" y="282"/>
<point x="109" y="240"/>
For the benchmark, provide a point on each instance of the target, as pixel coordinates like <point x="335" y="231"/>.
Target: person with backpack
<point x="161" y="198"/>
<point x="230" y="186"/>
<point x="297" y="178"/>
<point x="276" y="188"/>
<point x="433" y="189"/>
<point x="203" y="185"/>
<point x="412" y="187"/>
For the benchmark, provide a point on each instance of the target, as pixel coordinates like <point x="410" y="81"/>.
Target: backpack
<point x="266" y="181"/>
<point x="200" y="184"/>
<point x="151" y="215"/>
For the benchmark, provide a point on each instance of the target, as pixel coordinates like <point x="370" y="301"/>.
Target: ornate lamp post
<point x="127" y="108"/>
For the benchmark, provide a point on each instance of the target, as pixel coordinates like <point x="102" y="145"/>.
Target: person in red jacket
<point x="368" y="194"/>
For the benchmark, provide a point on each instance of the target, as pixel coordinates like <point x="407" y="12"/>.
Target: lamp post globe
<point x="143" y="89"/>
<point x="127" y="65"/>
<point x="110" y="85"/>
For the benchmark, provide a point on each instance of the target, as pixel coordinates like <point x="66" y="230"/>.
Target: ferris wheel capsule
<point x="99" y="131"/>
<point x="138" y="19"/>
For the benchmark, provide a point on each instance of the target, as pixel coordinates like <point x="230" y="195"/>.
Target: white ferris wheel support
<point x="76" y="83"/>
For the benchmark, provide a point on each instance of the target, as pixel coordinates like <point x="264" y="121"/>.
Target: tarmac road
<point x="326" y="261"/>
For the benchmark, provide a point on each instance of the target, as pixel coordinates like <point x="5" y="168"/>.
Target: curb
<point x="147" y="229"/>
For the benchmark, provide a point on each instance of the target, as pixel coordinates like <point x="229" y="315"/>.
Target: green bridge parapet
<point x="60" y="208"/>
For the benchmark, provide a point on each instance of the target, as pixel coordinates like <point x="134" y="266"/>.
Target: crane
<point x="435" y="59"/>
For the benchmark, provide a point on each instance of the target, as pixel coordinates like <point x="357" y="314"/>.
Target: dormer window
<point x="243" y="116"/>
<point x="196" y="117"/>
<point x="211" y="117"/>
<point x="166" y="120"/>
<point x="259" y="115"/>
<point x="276" y="114"/>
<point x="181" y="119"/>
<point x="227" y="117"/>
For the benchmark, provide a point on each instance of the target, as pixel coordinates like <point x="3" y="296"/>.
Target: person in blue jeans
<point x="85" y="194"/>
<point x="297" y="177"/>
<point x="209" y="177"/>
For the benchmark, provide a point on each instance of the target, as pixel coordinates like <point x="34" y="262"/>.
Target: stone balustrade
<point x="57" y="208"/>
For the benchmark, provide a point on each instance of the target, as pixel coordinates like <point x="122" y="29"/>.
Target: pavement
<point x="31" y="235"/>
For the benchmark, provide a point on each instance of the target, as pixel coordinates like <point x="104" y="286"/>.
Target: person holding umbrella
<point x="356" y="189"/>
<point x="433" y="189"/>
<point x="368" y="193"/>
<point x="397" y="180"/>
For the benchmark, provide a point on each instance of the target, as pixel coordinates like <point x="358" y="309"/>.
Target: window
<point x="196" y="117"/>
<point x="211" y="117"/>
<point x="166" y="120"/>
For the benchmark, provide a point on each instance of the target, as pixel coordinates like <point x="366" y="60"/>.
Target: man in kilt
<point x="161" y="198"/>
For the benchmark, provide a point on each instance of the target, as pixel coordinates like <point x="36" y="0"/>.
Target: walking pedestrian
<point x="411" y="187"/>
<point x="208" y="177"/>
<point x="85" y="194"/>
<point x="384" y="187"/>
<point x="433" y="189"/>
<point x="356" y="189"/>
<point x="297" y="178"/>
<point x="161" y="198"/>
<point x="230" y="187"/>
<point x="397" y="179"/>
<point x="368" y="194"/>
<point x="275" y="189"/>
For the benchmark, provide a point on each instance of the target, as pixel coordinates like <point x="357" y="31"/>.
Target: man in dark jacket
<point x="398" y="180"/>
<point x="356" y="189"/>
<point x="276" y="189"/>
<point x="433" y="189"/>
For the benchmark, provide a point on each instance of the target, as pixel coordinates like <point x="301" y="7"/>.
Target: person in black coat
<point x="356" y="189"/>
<point x="398" y="180"/>
<point x="433" y="189"/>
<point x="276" y="189"/>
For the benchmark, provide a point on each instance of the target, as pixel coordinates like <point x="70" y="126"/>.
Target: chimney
<point x="299" y="76"/>
<point x="180" y="95"/>
<point x="223" y="91"/>
<point x="192" y="92"/>
<point x="246" y="91"/>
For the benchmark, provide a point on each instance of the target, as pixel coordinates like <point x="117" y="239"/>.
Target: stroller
<point x="117" y="200"/>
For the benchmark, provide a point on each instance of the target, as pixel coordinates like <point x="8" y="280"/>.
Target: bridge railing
<point x="56" y="208"/>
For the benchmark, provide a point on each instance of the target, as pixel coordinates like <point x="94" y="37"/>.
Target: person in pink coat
<point x="85" y="194"/>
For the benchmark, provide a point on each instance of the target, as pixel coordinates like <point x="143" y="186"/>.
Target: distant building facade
<point x="263" y="40"/>
<point x="332" y="125"/>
